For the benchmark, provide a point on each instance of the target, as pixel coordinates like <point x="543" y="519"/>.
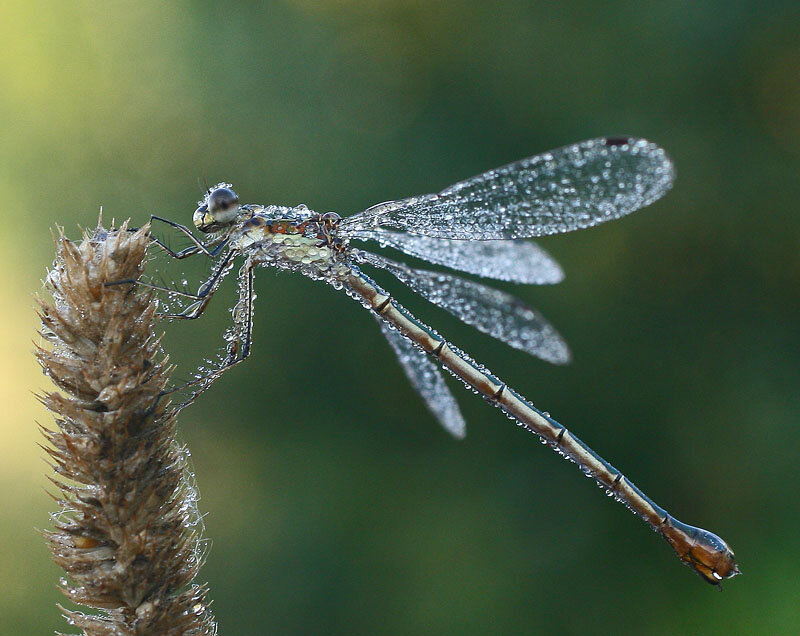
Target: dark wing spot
<point x="616" y="141"/>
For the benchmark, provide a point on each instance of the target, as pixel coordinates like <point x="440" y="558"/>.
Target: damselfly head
<point x="217" y="209"/>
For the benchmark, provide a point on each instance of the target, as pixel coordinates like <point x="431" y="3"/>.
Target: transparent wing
<point x="567" y="189"/>
<point x="428" y="381"/>
<point x="491" y="311"/>
<point x="516" y="261"/>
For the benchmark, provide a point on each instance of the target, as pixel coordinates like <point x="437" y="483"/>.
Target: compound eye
<point x="222" y="200"/>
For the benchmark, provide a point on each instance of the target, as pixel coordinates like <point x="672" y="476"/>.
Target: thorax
<point x="294" y="238"/>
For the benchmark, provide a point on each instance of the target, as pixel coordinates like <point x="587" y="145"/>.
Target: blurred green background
<point x="334" y="502"/>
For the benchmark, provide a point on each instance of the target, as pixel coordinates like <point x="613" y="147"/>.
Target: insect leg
<point x="238" y="347"/>
<point x="197" y="248"/>
<point x="204" y="293"/>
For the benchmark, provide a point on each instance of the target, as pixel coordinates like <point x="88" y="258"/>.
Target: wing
<point x="516" y="261"/>
<point x="426" y="378"/>
<point x="489" y="310"/>
<point x="567" y="189"/>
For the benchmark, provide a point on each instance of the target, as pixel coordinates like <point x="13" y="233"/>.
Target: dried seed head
<point x="126" y="533"/>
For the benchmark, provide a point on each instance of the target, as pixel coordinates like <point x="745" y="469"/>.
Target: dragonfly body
<point x="471" y="226"/>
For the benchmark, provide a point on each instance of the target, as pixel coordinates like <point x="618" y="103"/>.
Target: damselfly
<point x="472" y="226"/>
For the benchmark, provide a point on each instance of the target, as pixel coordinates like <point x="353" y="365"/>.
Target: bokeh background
<point x="334" y="502"/>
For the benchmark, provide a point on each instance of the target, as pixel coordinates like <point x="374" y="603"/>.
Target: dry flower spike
<point x="126" y="533"/>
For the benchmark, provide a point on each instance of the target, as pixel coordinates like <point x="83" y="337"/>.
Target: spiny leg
<point x="206" y="290"/>
<point x="197" y="248"/>
<point x="203" y="296"/>
<point x="238" y="347"/>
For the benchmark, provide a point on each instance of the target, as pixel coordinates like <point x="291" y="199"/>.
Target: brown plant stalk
<point x="126" y="532"/>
